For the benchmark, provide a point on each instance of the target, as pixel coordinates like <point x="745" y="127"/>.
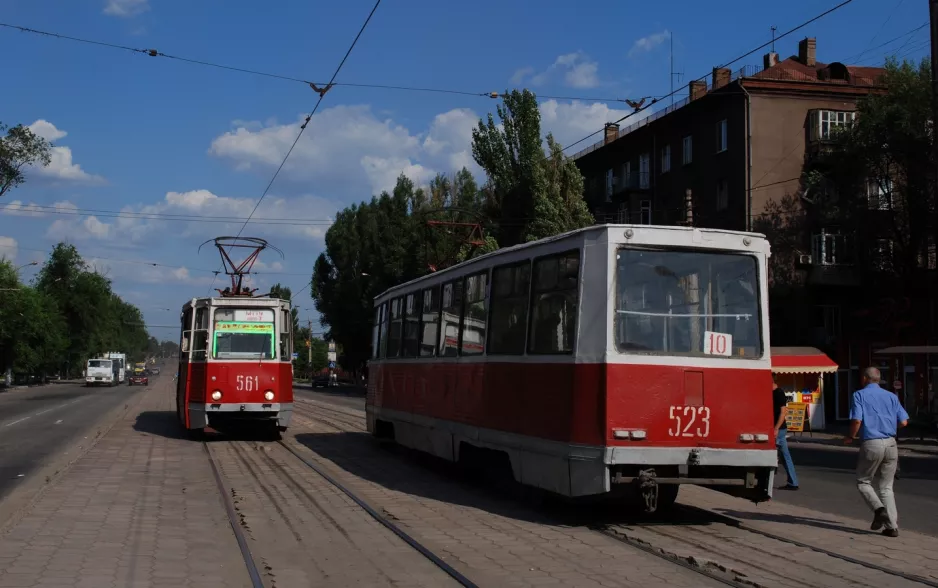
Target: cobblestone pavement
<point x="910" y="552"/>
<point x="306" y="532"/>
<point x="139" y="510"/>
<point x="493" y="541"/>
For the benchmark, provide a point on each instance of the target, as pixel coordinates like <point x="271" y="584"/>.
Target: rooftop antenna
<point x="237" y="271"/>
<point x="680" y="74"/>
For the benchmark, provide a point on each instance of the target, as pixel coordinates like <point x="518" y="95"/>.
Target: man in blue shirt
<point x="875" y="414"/>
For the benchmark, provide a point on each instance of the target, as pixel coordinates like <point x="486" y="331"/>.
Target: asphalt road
<point x="825" y="474"/>
<point x="37" y="424"/>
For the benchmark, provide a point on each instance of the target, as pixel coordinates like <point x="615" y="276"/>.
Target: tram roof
<point x="663" y="230"/>
<point x="247" y="301"/>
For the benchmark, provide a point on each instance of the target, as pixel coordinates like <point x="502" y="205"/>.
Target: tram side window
<point x="185" y="344"/>
<point x="376" y="334"/>
<point x="286" y="336"/>
<point x="554" y="304"/>
<point x="394" y="332"/>
<point x="430" y="322"/>
<point x="200" y="334"/>
<point x="472" y="339"/>
<point x="509" y="315"/>
<point x="411" y="325"/>
<point x="452" y="307"/>
<point x="383" y="342"/>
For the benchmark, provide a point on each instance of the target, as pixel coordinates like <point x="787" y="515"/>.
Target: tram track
<point x="722" y="548"/>
<point x="279" y="501"/>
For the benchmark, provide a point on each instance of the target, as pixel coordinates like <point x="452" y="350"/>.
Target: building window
<point x="825" y="123"/>
<point x="509" y="315"/>
<point x="644" y="170"/>
<point x="472" y="333"/>
<point x="879" y="192"/>
<point x="430" y="322"/>
<point x="645" y="212"/>
<point x="554" y="304"/>
<point x="411" y="325"/>
<point x="831" y="249"/>
<point x="666" y="159"/>
<point x="688" y="149"/>
<point x="721" y="136"/>
<point x="881" y="255"/>
<point x="723" y="194"/>
<point x="828" y="321"/>
<point x="452" y="308"/>
<point x="626" y="180"/>
<point x="610" y="184"/>
<point x="394" y="331"/>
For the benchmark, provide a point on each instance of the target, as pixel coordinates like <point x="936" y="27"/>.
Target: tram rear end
<point x="236" y="365"/>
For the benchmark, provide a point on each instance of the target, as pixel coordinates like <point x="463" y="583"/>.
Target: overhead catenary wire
<point x="322" y="94"/>
<point x="288" y="78"/>
<point x="728" y="63"/>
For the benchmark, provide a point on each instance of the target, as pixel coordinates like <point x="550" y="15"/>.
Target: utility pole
<point x="309" y="346"/>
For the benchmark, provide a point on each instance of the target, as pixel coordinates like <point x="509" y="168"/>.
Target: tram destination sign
<point x="254" y="316"/>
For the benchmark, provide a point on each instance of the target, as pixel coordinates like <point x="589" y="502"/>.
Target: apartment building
<point x="718" y="159"/>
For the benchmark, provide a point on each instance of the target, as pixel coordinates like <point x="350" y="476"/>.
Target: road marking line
<point x="58" y="421"/>
<point x="10" y="424"/>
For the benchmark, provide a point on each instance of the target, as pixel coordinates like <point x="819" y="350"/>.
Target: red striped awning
<point x="801" y="360"/>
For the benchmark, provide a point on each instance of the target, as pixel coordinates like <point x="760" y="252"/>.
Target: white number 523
<point x="683" y="419"/>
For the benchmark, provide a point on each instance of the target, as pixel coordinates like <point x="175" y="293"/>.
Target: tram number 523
<point x="684" y="419"/>
<point x="248" y="383"/>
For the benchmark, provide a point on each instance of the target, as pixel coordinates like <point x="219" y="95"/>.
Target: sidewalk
<point x="912" y="553"/>
<point x="140" y="509"/>
<point x="914" y="445"/>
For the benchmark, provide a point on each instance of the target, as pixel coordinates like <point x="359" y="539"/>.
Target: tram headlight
<point x="269" y="395"/>
<point x="216" y="395"/>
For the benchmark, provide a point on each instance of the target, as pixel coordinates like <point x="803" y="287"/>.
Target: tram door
<point x="182" y="382"/>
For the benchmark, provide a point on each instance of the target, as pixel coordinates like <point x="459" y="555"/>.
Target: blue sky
<point x="137" y="135"/>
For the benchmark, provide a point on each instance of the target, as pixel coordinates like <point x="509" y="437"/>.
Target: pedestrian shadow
<point x="425" y="476"/>
<point x="919" y="467"/>
<point x="830" y="525"/>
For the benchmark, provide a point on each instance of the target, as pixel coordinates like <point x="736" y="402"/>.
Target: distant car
<point x="320" y="381"/>
<point x="139" y="379"/>
<point x="155" y="371"/>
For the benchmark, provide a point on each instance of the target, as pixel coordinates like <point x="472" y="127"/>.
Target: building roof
<point x="791" y="69"/>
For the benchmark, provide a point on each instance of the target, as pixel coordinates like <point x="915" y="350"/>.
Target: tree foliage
<point x="69" y="315"/>
<point x="530" y="193"/>
<point x="20" y="147"/>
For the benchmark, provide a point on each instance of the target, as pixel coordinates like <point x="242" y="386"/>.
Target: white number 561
<point x="248" y="383"/>
<point x="687" y="416"/>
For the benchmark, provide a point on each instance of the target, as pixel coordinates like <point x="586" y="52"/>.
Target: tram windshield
<point x="242" y="334"/>
<point x="687" y="303"/>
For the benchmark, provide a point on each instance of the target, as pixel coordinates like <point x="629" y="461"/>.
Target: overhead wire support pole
<point x="322" y="94"/>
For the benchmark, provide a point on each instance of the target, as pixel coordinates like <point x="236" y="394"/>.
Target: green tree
<point x="20" y="147"/>
<point x="32" y="337"/>
<point x="532" y="194"/>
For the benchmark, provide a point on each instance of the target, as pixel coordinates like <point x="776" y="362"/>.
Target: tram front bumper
<point x="204" y="414"/>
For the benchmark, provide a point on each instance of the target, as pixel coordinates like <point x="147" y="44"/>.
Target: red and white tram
<point x="235" y="364"/>
<point x="607" y="359"/>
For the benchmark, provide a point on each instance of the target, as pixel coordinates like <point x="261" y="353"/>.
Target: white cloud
<point x="349" y="152"/>
<point x="648" y="43"/>
<point x="46" y="130"/>
<point x="126" y="8"/>
<point x="61" y="167"/>
<point x="578" y="71"/>
<point x="8" y="248"/>
<point x="572" y="121"/>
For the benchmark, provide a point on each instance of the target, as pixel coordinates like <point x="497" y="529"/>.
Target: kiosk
<point x="799" y="371"/>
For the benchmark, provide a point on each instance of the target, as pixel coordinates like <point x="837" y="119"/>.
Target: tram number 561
<point x="248" y="383"/>
<point x="683" y="419"/>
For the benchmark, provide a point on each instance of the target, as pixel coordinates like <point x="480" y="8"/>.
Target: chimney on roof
<point x="769" y="60"/>
<point x="807" y="51"/>
<point x="697" y="89"/>
<point x="612" y="133"/>
<point x="721" y="77"/>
